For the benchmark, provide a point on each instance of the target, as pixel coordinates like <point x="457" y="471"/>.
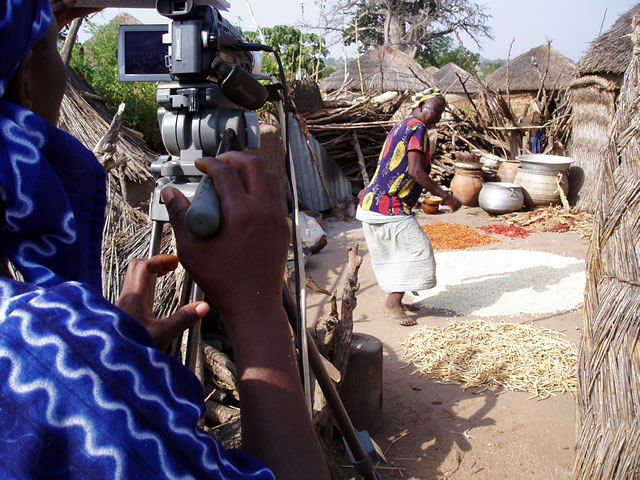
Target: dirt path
<point x="432" y="430"/>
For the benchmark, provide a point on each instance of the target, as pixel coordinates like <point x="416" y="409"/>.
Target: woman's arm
<point x="416" y="170"/>
<point x="241" y="268"/>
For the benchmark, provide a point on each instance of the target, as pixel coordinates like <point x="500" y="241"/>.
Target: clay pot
<point x="507" y="170"/>
<point x="466" y="157"/>
<point x="540" y="189"/>
<point x="430" y="209"/>
<point x="466" y="186"/>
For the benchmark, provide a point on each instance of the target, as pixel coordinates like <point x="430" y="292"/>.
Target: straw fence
<point x="593" y="102"/>
<point x="609" y="362"/>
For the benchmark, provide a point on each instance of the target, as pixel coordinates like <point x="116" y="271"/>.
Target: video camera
<point x="210" y="68"/>
<point x="198" y="45"/>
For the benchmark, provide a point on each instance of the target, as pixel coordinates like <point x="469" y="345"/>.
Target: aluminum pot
<point x="545" y="163"/>
<point x="498" y="198"/>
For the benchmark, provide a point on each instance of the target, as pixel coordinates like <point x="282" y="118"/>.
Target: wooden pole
<point x="67" y="48"/>
<point x="363" y="168"/>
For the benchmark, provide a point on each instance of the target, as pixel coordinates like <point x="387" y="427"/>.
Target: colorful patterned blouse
<point x="392" y="190"/>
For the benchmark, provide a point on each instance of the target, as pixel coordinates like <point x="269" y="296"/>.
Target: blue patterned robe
<point x="84" y="393"/>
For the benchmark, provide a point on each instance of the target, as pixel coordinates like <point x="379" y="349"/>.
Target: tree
<point x="410" y="25"/>
<point x="441" y="51"/>
<point x="487" y="67"/>
<point x="301" y="53"/>
<point x="97" y="60"/>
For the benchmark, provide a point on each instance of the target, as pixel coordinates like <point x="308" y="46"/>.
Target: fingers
<point x="177" y="205"/>
<point x="162" y="264"/>
<point x="169" y="328"/>
<point x="249" y="169"/>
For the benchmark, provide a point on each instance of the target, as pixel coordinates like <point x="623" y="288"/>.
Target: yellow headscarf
<point x="423" y="96"/>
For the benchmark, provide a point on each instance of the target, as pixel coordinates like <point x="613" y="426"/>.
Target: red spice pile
<point x="451" y="236"/>
<point x="511" y="231"/>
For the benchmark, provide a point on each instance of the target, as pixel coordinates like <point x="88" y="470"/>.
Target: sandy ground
<point x="431" y="430"/>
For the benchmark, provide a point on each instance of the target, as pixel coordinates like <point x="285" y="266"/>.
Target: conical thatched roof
<point x="449" y="76"/>
<point x="383" y="68"/>
<point x="432" y="69"/>
<point x="525" y="72"/>
<point x="611" y="51"/>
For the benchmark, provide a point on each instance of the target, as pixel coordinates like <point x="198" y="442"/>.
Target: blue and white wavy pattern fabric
<point x="84" y="393"/>
<point x="51" y="185"/>
<point x="22" y="23"/>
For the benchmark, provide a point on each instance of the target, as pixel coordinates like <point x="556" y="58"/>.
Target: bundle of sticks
<point x="353" y="128"/>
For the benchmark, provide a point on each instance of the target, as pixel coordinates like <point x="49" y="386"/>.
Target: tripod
<point x="196" y="120"/>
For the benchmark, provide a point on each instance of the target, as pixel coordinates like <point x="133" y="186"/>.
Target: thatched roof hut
<point x="382" y="69"/>
<point x="84" y="116"/>
<point x="610" y="53"/>
<point x="526" y="72"/>
<point x="593" y="102"/>
<point x="455" y="80"/>
<point x="432" y="69"/>
<point x="593" y="95"/>
<point x="608" y="396"/>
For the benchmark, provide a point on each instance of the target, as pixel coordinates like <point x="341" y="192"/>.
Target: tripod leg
<point x="193" y="335"/>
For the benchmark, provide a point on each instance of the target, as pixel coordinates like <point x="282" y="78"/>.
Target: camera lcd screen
<point x="141" y="53"/>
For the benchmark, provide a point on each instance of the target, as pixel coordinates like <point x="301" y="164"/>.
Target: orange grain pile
<point x="450" y="236"/>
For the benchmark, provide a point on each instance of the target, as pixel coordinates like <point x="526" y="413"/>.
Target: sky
<point x="570" y="24"/>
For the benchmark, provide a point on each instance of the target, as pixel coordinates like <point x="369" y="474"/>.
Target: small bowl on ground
<point x="430" y="209"/>
<point x="432" y="200"/>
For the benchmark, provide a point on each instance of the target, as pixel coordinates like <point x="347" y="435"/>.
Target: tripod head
<point x="193" y="119"/>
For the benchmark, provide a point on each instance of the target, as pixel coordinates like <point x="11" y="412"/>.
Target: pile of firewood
<point x="353" y="129"/>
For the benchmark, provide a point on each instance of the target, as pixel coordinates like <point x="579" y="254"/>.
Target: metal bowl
<point x="545" y="163"/>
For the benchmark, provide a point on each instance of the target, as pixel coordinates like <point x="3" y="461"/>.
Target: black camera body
<point x="183" y="51"/>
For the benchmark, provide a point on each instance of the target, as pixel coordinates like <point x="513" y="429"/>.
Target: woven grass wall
<point x="593" y="102"/>
<point x="609" y="363"/>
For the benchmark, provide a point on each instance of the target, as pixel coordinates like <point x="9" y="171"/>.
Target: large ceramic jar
<point x="498" y="198"/>
<point x="507" y="170"/>
<point x="466" y="185"/>
<point x="540" y="189"/>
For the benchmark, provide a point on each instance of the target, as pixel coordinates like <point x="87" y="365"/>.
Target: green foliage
<point x="440" y="51"/>
<point x="369" y="29"/>
<point x="487" y="67"/>
<point x="299" y="52"/>
<point x="97" y="60"/>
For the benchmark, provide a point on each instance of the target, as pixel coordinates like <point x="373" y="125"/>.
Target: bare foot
<point x="399" y="316"/>
<point x="411" y="307"/>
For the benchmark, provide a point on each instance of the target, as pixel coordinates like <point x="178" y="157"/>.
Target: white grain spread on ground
<point x="487" y="283"/>
<point x="482" y="354"/>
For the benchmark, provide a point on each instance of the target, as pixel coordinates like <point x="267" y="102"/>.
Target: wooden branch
<point x="348" y="305"/>
<point x="358" y="150"/>
<point x="222" y="368"/>
<point x="219" y="414"/>
<point x="91" y="96"/>
<point x="67" y="48"/>
<point x="105" y="149"/>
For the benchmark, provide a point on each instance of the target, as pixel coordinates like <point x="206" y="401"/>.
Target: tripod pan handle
<point x="203" y="215"/>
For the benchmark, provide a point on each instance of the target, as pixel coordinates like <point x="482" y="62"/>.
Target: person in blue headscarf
<point x="86" y="389"/>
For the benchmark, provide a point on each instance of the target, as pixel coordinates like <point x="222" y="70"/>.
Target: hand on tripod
<point x="241" y="269"/>
<point x="135" y="299"/>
